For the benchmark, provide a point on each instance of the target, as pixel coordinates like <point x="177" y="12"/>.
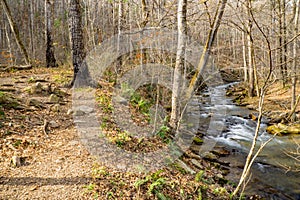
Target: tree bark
<point x="145" y="13"/>
<point x="76" y="33"/>
<point x="177" y="82"/>
<point x="294" y="67"/>
<point x="50" y="57"/>
<point x="31" y="28"/>
<point x="245" y="64"/>
<point x="282" y="41"/>
<point x="206" y="49"/>
<point x="15" y="31"/>
<point x="120" y="27"/>
<point x="285" y="44"/>
<point x="9" y="46"/>
<point x="250" y="53"/>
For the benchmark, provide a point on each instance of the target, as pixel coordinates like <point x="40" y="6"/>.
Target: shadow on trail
<point x="45" y="181"/>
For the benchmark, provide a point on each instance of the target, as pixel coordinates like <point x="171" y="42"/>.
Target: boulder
<point x="85" y="109"/>
<point x="54" y="99"/>
<point x="197" y="164"/>
<point x="282" y="129"/>
<point x="53" y="124"/>
<point x="16" y="161"/>
<point x="70" y="112"/>
<point x="185" y="167"/>
<point x="197" y="140"/>
<point x="34" y="102"/>
<point x="36" y="88"/>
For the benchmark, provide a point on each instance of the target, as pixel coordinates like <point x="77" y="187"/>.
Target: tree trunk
<point x="294" y="67"/>
<point x="76" y="33"/>
<point x="282" y="41"/>
<point x="120" y="27"/>
<point x="15" y="31"/>
<point x="31" y="28"/>
<point x="244" y="58"/>
<point x="9" y="47"/>
<point x="177" y="82"/>
<point x="50" y="57"/>
<point x="145" y="13"/>
<point x="285" y="45"/>
<point x="250" y="53"/>
<point x="206" y="50"/>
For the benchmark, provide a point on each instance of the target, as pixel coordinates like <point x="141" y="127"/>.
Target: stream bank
<point x="274" y="174"/>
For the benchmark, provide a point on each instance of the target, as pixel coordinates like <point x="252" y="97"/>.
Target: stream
<point x="235" y="131"/>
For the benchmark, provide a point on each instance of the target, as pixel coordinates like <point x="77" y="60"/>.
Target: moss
<point x="197" y="140"/>
<point x="282" y="129"/>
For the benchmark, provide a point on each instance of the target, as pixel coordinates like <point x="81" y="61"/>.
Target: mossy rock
<point x="36" y="88"/>
<point x="197" y="140"/>
<point x="54" y="98"/>
<point x="282" y="129"/>
<point x="7" y="101"/>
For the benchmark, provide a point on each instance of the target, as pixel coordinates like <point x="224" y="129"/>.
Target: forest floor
<point x="277" y="101"/>
<point x="35" y="164"/>
<point x="41" y="156"/>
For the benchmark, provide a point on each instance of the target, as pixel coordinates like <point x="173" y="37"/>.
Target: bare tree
<point x="145" y="11"/>
<point x="207" y="47"/>
<point x="177" y="82"/>
<point x="50" y="57"/>
<point x="294" y="67"/>
<point x="15" y="31"/>
<point x="31" y="28"/>
<point x="250" y="52"/>
<point x="252" y="155"/>
<point x="244" y="58"/>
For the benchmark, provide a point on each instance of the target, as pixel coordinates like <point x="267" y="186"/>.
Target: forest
<point x="149" y="99"/>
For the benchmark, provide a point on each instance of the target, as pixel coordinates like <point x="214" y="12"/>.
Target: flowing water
<point x="230" y="126"/>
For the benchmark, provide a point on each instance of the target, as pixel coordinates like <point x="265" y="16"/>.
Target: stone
<point x="282" y="129"/>
<point x="184" y="166"/>
<point x="195" y="148"/>
<point x="120" y="100"/>
<point x="59" y="92"/>
<point x="36" y="88"/>
<point x="210" y="156"/>
<point x="53" y="124"/>
<point x="221" y="151"/>
<point x="27" y="89"/>
<point x="53" y="98"/>
<point x="34" y="102"/>
<point x="85" y="109"/>
<point x="251" y="107"/>
<point x="196" y="163"/>
<point x="197" y="140"/>
<point x="79" y="113"/>
<point x="16" y="161"/>
<point x="253" y="116"/>
<point x="70" y="112"/>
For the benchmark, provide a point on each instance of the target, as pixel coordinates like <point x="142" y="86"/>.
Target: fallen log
<point x="13" y="67"/>
<point x="7" y="89"/>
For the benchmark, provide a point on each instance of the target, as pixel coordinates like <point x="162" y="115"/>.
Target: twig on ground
<point x="45" y="126"/>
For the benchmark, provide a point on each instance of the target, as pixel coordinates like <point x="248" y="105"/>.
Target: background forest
<point x="249" y="31"/>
